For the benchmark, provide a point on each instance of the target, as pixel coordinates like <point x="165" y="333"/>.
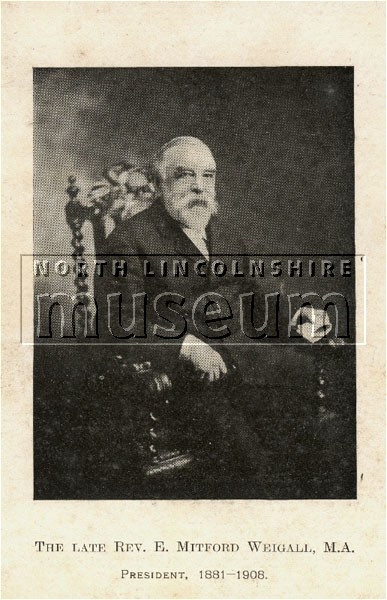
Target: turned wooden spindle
<point x="76" y="214"/>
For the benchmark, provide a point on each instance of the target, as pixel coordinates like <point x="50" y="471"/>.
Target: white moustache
<point x="198" y="202"/>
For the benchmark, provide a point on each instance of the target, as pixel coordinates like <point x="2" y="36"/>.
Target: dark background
<point x="283" y="140"/>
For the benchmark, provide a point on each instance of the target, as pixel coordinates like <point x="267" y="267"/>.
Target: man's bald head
<point x="182" y="148"/>
<point x="186" y="167"/>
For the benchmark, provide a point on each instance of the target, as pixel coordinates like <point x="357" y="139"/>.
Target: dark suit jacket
<point x="145" y="241"/>
<point x="211" y="415"/>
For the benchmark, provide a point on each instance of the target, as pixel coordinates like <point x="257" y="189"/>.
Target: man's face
<point x="188" y="184"/>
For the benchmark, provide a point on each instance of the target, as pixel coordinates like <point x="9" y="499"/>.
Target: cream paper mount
<point x="88" y="85"/>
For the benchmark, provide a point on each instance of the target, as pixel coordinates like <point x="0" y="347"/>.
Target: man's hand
<point x="205" y="359"/>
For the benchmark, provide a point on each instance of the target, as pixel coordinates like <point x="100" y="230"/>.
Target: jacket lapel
<point x="176" y="241"/>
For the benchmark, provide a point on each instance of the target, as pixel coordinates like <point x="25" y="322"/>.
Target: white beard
<point x="196" y="217"/>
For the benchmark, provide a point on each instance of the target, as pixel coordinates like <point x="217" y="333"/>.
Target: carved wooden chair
<point x="156" y="441"/>
<point x="162" y="448"/>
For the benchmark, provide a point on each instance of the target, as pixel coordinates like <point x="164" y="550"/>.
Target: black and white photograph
<point x="194" y="283"/>
<point x="193" y="299"/>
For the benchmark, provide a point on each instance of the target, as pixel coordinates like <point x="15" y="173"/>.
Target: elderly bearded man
<point x="180" y="224"/>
